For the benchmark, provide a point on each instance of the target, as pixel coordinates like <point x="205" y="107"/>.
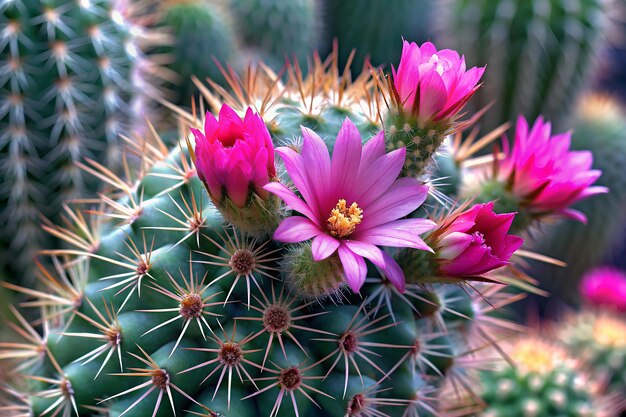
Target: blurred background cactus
<point x="386" y="23"/>
<point x="64" y="96"/>
<point x="541" y="379"/>
<point x="540" y="53"/>
<point x="275" y="30"/>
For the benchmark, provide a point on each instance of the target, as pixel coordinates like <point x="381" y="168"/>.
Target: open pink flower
<point x="544" y="174"/>
<point x="474" y="242"/>
<point x="351" y="203"/>
<point x="234" y="155"/>
<point x="432" y="84"/>
<point x="605" y="286"/>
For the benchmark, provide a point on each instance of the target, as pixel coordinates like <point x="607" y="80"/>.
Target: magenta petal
<point x="354" y="268"/>
<point x="453" y="244"/>
<point x="433" y="95"/>
<point x="291" y="199"/>
<point x="399" y="233"/>
<point x="574" y="215"/>
<point x="323" y="246"/>
<point x="372" y="150"/>
<point x="237" y="186"/>
<point x="404" y="197"/>
<point x="316" y="159"/>
<point x="379" y="176"/>
<point x="366" y="250"/>
<point x="296" y="229"/>
<point x="393" y="272"/>
<point x="346" y="157"/>
<point x="299" y="175"/>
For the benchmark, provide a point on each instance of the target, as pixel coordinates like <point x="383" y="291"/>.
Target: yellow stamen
<point x="535" y="356"/>
<point x="343" y="219"/>
<point x="609" y="332"/>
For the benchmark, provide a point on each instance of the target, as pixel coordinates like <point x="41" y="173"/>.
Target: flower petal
<point x="323" y="246"/>
<point x="404" y="197"/>
<point x="291" y="199"/>
<point x="366" y="250"/>
<point x="237" y="186"/>
<point x="346" y="157"/>
<point x="393" y="272"/>
<point x="296" y="229"/>
<point x="354" y="268"/>
<point x="316" y="159"/>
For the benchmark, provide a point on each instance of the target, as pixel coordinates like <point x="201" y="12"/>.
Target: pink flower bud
<point x="434" y="85"/>
<point x="605" y="287"/>
<point x="474" y="242"/>
<point x="234" y="156"/>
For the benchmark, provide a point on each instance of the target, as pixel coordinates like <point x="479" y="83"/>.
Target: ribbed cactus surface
<point x="277" y="30"/>
<point x="539" y="53"/>
<point x="64" y="94"/>
<point x="386" y="23"/>
<point x="201" y="33"/>
<point x="159" y="308"/>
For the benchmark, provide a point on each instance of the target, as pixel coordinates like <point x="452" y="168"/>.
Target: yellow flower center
<point x="609" y="332"/>
<point x="343" y="219"/>
<point x="535" y="356"/>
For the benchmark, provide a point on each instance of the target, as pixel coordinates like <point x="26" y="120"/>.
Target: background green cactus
<point x="599" y="126"/>
<point x="600" y="340"/>
<point x="276" y="30"/>
<point x="386" y="23"/>
<point x="64" y="96"/>
<point x="122" y="300"/>
<point x="542" y="381"/>
<point x="540" y="53"/>
<point x="200" y="32"/>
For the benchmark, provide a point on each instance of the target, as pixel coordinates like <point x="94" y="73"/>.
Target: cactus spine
<point x="64" y="94"/>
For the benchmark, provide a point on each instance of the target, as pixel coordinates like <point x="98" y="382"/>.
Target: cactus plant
<point x="599" y="126"/>
<point x="387" y="24"/>
<point x="157" y="307"/>
<point x="540" y="53"/>
<point x="200" y="33"/>
<point x="64" y="95"/>
<point x="542" y="380"/>
<point x="599" y="339"/>
<point x="276" y="30"/>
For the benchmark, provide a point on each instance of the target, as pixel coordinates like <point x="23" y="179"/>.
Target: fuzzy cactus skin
<point x="64" y="94"/>
<point x="539" y="53"/>
<point x="164" y="228"/>
<point x="599" y="127"/>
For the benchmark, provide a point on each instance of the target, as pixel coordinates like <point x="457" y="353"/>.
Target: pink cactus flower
<point x="605" y="286"/>
<point x="352" y="203"/>
<point x="234" y="155"/>
<point x="544" y="174"/>
<point x="474" y="242"/>
<point x="440" y="79"/>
